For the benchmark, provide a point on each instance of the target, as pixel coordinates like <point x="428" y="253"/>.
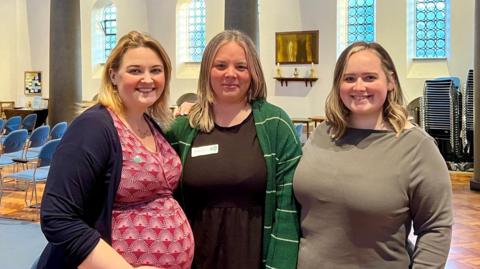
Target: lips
<point x="230" y="86"/>
<point x="145" y="90"/>
<point x="360" y="97"/>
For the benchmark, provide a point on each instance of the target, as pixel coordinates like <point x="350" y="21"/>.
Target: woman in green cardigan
<point x="239" y="154"/>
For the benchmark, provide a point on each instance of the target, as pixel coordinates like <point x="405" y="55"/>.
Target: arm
<point x="104" y="256"/>
<point x="283" y="249"/>
<point x="431" y="207"/>
<point x="76" y="190"/>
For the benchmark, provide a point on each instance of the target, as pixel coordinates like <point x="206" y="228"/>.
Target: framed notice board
<point x="296" y="47"/>
<point x="33" y="82"/>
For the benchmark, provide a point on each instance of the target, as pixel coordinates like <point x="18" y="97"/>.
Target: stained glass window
<point x="360" y="21"/>
<point x="109" y="24"/>
<point x="431" y="28"/>
<point x="196" y="30"/>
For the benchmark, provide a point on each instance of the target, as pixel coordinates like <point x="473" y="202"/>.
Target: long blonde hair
<point x="201" y="115"/>
<point x="394" y="110"/>
<point x="108" y="95"/>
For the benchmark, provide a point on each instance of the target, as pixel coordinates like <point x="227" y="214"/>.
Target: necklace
<point x="143" y="133"/>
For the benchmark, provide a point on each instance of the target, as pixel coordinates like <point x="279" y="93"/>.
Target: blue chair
<point x="37" y="139"/>
<point x="12" y="124"/>
<point x="2" y="125"/>
<point x="14" y="141"/>
<point x="299" y="130"/>
<point x="58" y="130"/>
<point x="4" y="161"/>
<point x="37" y="174"/>
<point x="29" y="122"/>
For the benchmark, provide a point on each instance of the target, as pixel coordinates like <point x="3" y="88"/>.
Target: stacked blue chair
<point x="58" y="130"/>
<point x="37" y="174"/>
<point x="29" y="122"/>
<point x="468" y="117"/>
<point x="441" y="115"/>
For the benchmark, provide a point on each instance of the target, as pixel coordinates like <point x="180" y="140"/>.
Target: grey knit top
<point x="361" y="195"/>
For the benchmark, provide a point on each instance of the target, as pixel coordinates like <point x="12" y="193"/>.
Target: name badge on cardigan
<point x="205" y="150"/>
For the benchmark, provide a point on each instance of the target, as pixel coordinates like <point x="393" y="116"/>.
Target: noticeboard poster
<point x="33" y="82"/>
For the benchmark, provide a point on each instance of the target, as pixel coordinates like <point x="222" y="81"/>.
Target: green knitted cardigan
<point x="282" y="151"/>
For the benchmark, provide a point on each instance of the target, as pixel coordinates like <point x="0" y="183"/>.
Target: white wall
<point x="25" y="45"/>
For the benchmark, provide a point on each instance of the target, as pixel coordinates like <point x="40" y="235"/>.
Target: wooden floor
<point x="464" y="251"/>
<point x="465" y="248"/>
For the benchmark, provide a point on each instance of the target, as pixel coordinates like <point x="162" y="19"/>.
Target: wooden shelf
<point x="286" y="80"/>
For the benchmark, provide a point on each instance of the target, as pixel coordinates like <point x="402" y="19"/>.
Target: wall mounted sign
<point x="33" y="82"/>
<point x="296" y="47"/>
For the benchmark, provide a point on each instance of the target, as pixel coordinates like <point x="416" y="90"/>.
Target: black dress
<point x="224" y="197"/>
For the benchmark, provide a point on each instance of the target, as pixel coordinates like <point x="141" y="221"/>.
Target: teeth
<point x="360" y="97"/>
<point x="145" y="90"/>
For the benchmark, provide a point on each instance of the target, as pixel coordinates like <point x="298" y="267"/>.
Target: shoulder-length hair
<point x="393" y="109"/>
<point x="108" y="95"/>
<point x="201" y="115"/>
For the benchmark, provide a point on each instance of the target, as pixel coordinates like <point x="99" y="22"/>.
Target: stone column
<point x="243" y="16"/>
<point x="475" y="182"/>
<point x="65" y="61"/>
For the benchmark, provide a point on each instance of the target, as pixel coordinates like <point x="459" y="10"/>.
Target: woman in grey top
<point x="367" y="175"/>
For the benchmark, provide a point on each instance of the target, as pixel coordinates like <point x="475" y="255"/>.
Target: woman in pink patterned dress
<point x="108" y="201"/>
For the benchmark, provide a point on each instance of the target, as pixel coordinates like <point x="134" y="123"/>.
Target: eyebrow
<point x="363" y="74"/>
<point x="139" y="66"/>
<point x="224" y="61"/>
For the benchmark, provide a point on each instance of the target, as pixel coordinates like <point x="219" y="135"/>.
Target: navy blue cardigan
<point x="81" y="186"/>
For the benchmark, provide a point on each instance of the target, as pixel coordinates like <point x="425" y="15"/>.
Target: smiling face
<point x="364" y="87"/>
<point x="229" y="75"/>
<point x="140" y="78"/>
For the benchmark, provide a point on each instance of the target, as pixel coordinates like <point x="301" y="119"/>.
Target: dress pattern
<point x="149" y="227"/>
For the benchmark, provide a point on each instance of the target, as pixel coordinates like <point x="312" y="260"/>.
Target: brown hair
<point x="201" y="116"/>
<point x="108" y="95"/>
<point x="393" y="109"/>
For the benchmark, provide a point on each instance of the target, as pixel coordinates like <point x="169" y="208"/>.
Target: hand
<point x="183" y="109"/>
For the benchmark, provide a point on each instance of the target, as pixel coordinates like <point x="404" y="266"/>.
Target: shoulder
<point x="97" y="116"/>
<point x="93" y="124"/>
<point x="180" y="129"/>
<point x="418" y="135"/>
<point x="180" y="124"/>
<point x="268" y="110"/>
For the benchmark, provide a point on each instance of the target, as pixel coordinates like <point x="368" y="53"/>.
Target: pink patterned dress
<point x="149" y="227"/>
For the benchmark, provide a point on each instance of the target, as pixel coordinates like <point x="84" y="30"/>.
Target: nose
<point x="147" y="78"/>
<point x="359" y="85"/>
<point x="230" y="72"/>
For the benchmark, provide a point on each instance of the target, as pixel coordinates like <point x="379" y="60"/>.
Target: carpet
<point x="13" y="205"/>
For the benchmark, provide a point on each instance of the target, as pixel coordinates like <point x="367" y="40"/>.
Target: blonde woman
<point x="239" y="154"/>
<point x="367" y="175"/>
<point x="108" y="200"/>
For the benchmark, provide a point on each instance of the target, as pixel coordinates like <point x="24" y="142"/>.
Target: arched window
<point x="109" y="24"/>
<point x="360" y="21"/>
<point x="431" y="24"/>
<point x="191" y="41"/>
<point x="104" y="31"/>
